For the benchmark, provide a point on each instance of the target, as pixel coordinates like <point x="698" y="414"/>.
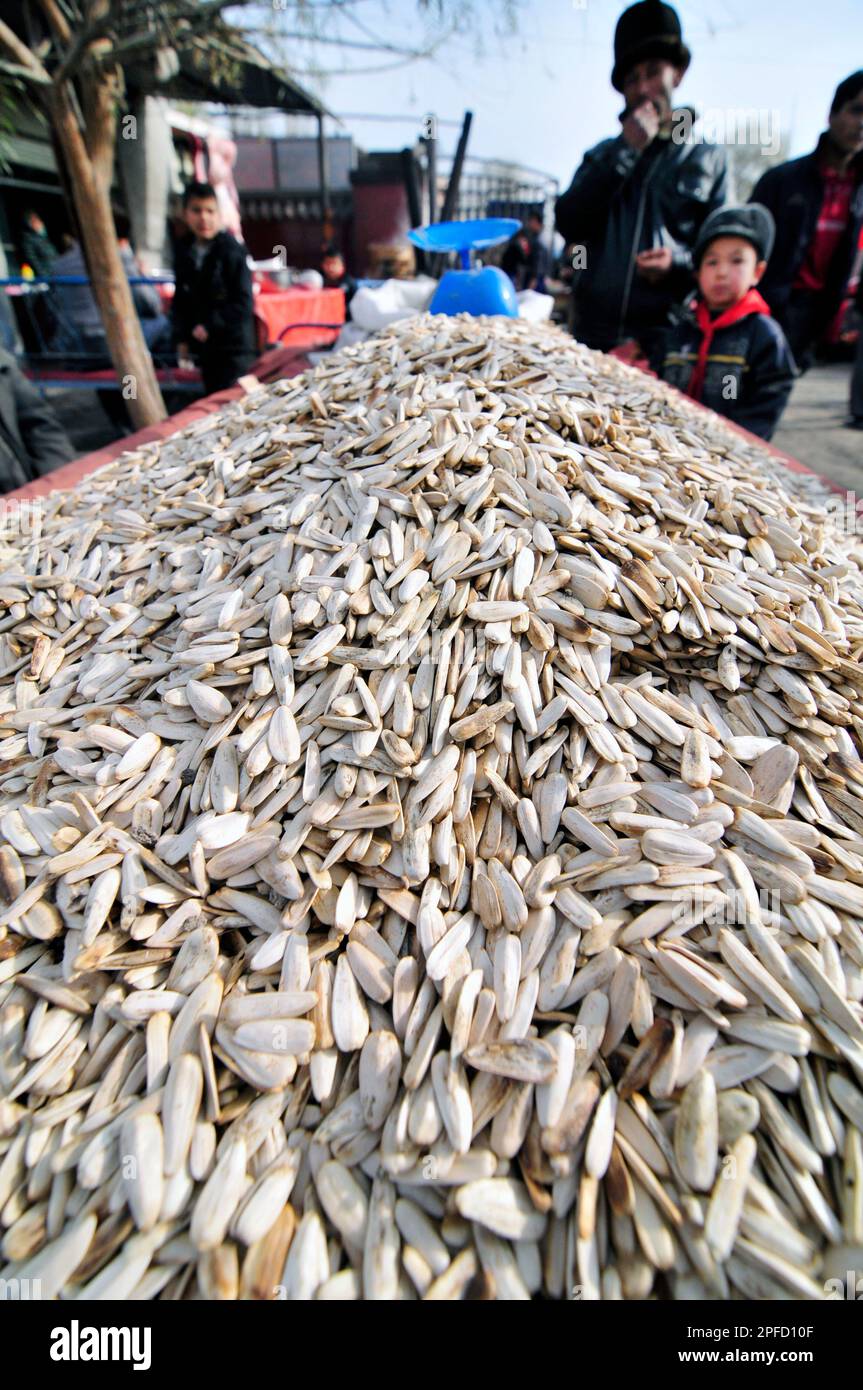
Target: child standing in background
<point x="724" y="349"/>
<point x="213" y="306"/>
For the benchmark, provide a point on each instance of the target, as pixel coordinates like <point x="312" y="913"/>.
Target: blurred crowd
<point x="728" y="303"/>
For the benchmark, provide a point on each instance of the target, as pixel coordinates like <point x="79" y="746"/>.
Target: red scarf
<point x="751" y="303"/>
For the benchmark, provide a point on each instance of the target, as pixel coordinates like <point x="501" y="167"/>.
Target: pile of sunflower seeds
<point x="432" y="848"/>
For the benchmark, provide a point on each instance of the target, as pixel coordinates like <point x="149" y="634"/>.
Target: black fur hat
<point x="649" y="29"/>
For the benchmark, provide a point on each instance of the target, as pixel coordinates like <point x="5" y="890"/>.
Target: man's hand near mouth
<point x="641" y="126"/>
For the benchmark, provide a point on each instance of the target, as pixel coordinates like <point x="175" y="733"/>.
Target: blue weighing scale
<point x="466" y="291"/>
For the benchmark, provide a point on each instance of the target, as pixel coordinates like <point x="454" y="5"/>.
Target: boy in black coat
<point x="212" y="311"/>
<point x="724" y="349"/>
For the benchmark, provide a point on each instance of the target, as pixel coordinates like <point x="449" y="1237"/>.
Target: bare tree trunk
<point x="91" y="193"/>
<point x="98" y="93"/>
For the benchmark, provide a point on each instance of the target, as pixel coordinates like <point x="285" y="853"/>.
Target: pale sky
<point x="543" y="95"/>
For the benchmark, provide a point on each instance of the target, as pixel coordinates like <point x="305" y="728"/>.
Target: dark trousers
<point x="221" y="370"/>
<point x="803" y="323"/>
<point x="857" y="377"/>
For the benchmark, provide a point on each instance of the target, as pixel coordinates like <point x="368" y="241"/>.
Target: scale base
<point x="485" y="291"/>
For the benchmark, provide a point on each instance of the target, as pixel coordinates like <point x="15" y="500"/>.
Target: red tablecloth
<point x="278" y="309"/>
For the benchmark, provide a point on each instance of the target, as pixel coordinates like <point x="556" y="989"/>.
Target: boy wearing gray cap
<point x="724" y="349"/>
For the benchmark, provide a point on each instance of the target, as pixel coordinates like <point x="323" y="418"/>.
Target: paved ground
<point x="811" y="430"/>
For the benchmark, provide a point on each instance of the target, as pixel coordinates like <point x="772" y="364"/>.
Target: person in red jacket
<point x="724" y="349"/>
<point x="817" y="203"/>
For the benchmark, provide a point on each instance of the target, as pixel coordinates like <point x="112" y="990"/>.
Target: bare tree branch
<point x="83" y="41"/>
<point x="318" y="72"/>
<point x="180" y="21"/>
<point x="56" y="20"/>
<point x="16" y="70"/>
<point x="352" y="43"/>
<point x="100" y="91"/>
<point x="20" y="54"/>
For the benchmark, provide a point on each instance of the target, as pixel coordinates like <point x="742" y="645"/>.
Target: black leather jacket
<point x="794" y="192"/>
<point x="622" y="201"/>
<point x="217" y="294"/>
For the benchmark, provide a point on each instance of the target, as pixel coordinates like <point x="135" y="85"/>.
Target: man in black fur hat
<point x="638" y="200"/>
